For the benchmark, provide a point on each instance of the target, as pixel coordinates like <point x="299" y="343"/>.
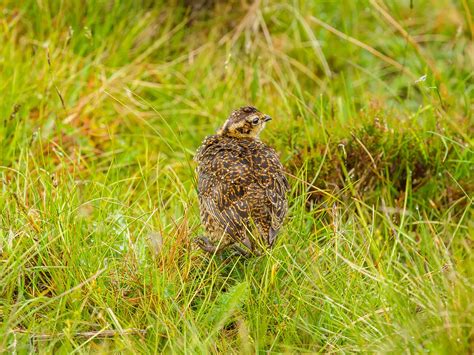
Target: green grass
<point x="102" y="108"/>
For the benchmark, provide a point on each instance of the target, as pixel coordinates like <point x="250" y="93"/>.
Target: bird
<point x="242" y="186"/>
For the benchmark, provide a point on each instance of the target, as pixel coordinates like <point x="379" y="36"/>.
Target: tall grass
<point x="103" y="105"/>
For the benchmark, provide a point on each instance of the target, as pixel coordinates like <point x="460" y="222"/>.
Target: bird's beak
<point x="266" y="118"/>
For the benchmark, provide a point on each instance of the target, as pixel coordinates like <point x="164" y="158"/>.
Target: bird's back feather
<point x="241" y="183"/>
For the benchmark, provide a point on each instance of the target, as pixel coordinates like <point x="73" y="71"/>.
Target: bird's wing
<point x="223" y="182"/>
<point x="275" y="186"/>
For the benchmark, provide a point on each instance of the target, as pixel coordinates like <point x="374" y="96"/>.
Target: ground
<point x="103" y="106"/>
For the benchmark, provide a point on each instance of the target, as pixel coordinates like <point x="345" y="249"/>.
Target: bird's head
<point x="245" y="122"/>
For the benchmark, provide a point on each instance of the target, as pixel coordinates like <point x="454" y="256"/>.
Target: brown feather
<point x="242" y="188"/>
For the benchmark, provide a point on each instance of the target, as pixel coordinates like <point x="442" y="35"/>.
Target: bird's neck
<point x="237" y="135"/>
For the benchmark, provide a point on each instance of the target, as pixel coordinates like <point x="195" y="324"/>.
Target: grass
<point x="103" y="106"/>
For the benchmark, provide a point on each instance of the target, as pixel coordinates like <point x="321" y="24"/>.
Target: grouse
<point x="242" y="186"/>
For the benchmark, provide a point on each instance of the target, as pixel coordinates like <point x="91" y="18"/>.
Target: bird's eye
<point x="255" y="121"/>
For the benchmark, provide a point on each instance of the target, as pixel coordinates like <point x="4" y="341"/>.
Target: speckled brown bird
<point x="242" y="186"/>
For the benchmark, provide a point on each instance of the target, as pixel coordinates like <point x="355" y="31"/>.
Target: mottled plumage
<point x="241" y="185"/>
